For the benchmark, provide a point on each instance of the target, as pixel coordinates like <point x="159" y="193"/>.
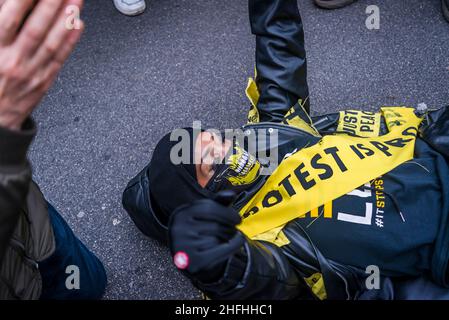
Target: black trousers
<point x="280" y="57"/>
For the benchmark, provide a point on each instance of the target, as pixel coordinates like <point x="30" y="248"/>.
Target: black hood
<point x="173" y="185"/>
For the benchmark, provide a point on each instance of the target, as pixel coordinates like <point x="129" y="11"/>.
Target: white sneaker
<point x="130" y="7"/>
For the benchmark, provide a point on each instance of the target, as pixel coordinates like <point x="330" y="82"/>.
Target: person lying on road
<point x="355" y="207"/>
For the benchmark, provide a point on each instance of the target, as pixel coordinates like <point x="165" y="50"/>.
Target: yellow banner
<point x="335" y="166"/>
<point x="359" y="123"/>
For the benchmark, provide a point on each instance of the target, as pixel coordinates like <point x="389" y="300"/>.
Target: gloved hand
<point x="203" y="235"/>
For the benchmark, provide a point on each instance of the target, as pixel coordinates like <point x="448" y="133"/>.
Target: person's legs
<point x="280" y="57"/>
<point x="333" y="4"/>
<point x="130" y="7"/>
<point x="70" y="254"/>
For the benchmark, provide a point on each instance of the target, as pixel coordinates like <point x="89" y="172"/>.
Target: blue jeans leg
<point x="70" y="251"/>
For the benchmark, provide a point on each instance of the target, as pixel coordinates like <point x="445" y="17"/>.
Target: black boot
<point x="334" y="4"/>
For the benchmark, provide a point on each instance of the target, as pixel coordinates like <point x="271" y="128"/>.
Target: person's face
<point x="209" y="150"/>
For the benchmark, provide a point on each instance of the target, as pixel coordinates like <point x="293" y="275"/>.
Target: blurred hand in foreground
<point x="35" y="41"/>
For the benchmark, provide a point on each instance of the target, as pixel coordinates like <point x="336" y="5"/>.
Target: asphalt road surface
<point x="131" y="80"/>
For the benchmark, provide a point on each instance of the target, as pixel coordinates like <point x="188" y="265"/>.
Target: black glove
<point x="203" y="235"/>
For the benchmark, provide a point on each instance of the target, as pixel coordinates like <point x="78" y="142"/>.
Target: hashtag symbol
<point x="379" y="223"/>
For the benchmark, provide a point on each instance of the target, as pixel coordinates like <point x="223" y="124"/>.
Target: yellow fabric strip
<point x="360" y="123"/>
<point x="292" y="118"/>
<point x="314" y="176"/>
<point x="252" y="92"/>
<point x="316" y="283"/>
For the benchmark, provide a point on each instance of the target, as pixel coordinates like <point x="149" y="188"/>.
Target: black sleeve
<point x="15" y="178"/>
<point x="138" y="204"/>
<point x="435" y="131"/>
<point x="259" y="271"/>
<point x="280" y="57"/>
